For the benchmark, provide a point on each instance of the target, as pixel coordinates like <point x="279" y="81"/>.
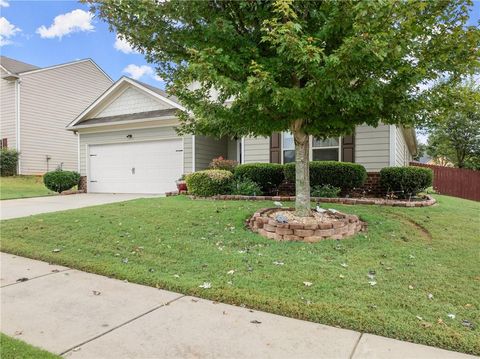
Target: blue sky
<point x="72" y="37"/>
<point x="45" y="33"/>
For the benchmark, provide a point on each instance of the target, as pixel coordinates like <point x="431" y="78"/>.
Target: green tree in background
<point x="315" y="68"/>
<point x="454" y="126"/>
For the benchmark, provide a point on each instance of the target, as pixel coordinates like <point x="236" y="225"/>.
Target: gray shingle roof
<point x="130" y="117"/>
<point x="14" y="66"/>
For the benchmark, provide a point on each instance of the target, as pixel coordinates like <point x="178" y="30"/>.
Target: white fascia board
<point x="111" y="89"/>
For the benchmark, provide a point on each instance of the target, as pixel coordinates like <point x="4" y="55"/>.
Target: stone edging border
<point x="344" y="226"/>
<point x="428" y="201"/>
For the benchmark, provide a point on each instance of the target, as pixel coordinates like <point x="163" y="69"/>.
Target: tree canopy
<point x="310" y="67"/>
<point x="454" y="126"/>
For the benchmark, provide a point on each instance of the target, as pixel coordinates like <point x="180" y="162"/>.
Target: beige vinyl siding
<point x="8" y="111"/>
<point x="50" y="100"/>
<point x="372" y="147"/>
<point x="130" y="101"/>
<point x="120" y="136"/>
<point x="187" y="154"/>
<point x="232" y="149"/>
<point x="206" y="149"/>
<point x="402" y="153"/>
<point x="257" y="149"/>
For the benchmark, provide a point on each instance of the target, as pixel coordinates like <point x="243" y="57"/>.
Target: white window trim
<point x="311" y="148"/>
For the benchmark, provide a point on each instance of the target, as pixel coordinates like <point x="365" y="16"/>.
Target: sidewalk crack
<point x="355" y="346"/>
<point x="122" y="324"/>
<point x="33" y="278"/>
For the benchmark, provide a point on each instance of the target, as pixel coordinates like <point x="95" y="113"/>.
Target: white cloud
<point x="7" y="30"/>
<point x="137" y="72"/>
<point x="75" y="21"/>
<point x="4" y="3"/>
<point x="124" y="46"/>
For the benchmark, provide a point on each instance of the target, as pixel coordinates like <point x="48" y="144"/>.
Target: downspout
<point x="78" y="152"/>
<point x="393" y="144"/>
<point x="193" y="153"/>
<point x="17" y="123"/>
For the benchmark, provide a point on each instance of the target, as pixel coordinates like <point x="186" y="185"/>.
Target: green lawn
<point x="22" y="187"/>
<point x="11" y="348"/>
<point x="178" y="244"/>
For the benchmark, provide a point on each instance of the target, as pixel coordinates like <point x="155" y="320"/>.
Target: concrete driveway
<point x="15" y="208"/>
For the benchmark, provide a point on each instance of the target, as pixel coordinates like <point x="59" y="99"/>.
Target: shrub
<point x="220" y="163"/>
<point x="326" y="191"/>
<point x="343" y="175"/>
<point x="267" y="175"/>
<point x="245" y="187"/>
<point x="59" y="181"/>
<point x="8" y="162"/>
<point x="209" y="182"/>
<point x="405" y="181"/>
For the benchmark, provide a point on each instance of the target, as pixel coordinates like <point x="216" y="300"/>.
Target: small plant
<point x="405" y="182"/>
<point x="267" y="175"/>
<point x="181" y="184"/>
<point x="59" y="180"/>
<point x="220" y="163"/>
<point x="209" y="182"/>
<point x="8" y="162"/>
<point x="245" y="187"/>
<point x="326" y="191"/>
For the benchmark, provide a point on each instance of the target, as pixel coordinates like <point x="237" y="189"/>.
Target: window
<point x="288" y="147"/>
<point x="326" y="150"/>
<point x="321" y="150"/>
<point x="4" y="143"/>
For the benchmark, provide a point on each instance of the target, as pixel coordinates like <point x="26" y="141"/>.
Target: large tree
<point x="314" y="68"/>
<point x="453" y="125"/>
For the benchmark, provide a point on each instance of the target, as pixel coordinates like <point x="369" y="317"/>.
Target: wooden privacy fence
<point x="457" y="182"/>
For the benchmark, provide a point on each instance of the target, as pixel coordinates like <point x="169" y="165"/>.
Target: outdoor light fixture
<point x="129" y="136"/>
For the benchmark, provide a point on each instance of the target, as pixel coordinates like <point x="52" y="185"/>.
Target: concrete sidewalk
<point x="23" y="207"/>
<point x="82" y="315"/>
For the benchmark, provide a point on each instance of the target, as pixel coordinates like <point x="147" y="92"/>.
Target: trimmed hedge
<point x="343" y="175"/>
<point x="59" y="180"/>
<point x="209" y="182"/>
<point x="267" y="175"/>
<point x="8" y="162"/>
<point x="405" y="181"/>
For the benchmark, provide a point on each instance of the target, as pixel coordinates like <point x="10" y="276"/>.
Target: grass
<point x="22" y="187"/>
<point x="177" y="244"/>
<point x="11" y="348"/>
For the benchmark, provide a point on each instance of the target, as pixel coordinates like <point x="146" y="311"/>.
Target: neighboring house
<point x="37" y="104"/>
<point x="128" y="143"/>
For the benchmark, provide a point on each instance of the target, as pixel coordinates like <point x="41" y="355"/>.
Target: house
<point x="37" y="104"/>
<point x="128" y="143"/>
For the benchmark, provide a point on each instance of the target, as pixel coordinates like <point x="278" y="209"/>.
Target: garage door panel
<point x="139" y="167"/>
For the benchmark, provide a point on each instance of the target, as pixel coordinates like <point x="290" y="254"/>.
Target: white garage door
<point x="139" y="167"/>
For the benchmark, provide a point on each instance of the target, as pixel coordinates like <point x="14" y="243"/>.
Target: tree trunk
<point x="302" y="171"/>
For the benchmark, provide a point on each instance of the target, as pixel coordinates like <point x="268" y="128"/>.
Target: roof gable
<point x="14" y="66"/>
<point x="127" y="96"/>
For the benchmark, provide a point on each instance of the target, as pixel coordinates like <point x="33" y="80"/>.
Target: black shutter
<point x="348" y="148"/>
<point x="275" y="148"/>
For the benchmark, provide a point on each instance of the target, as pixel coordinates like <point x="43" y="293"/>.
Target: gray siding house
<point x="128" y="143"/>
<point x="37" y="104"/>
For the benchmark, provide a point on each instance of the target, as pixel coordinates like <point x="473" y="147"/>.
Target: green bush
<point x="209" y="182"/>
<point x="245" y="187"/>
<point x="59" y="181"/>
<point x="267" y="175"/>
<point x="405" y="182"/>
<point x="220" y="163"/>
<point x="325" y="191"/>
<point x="8" y="162"/>
<point x="343" y="175"/>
